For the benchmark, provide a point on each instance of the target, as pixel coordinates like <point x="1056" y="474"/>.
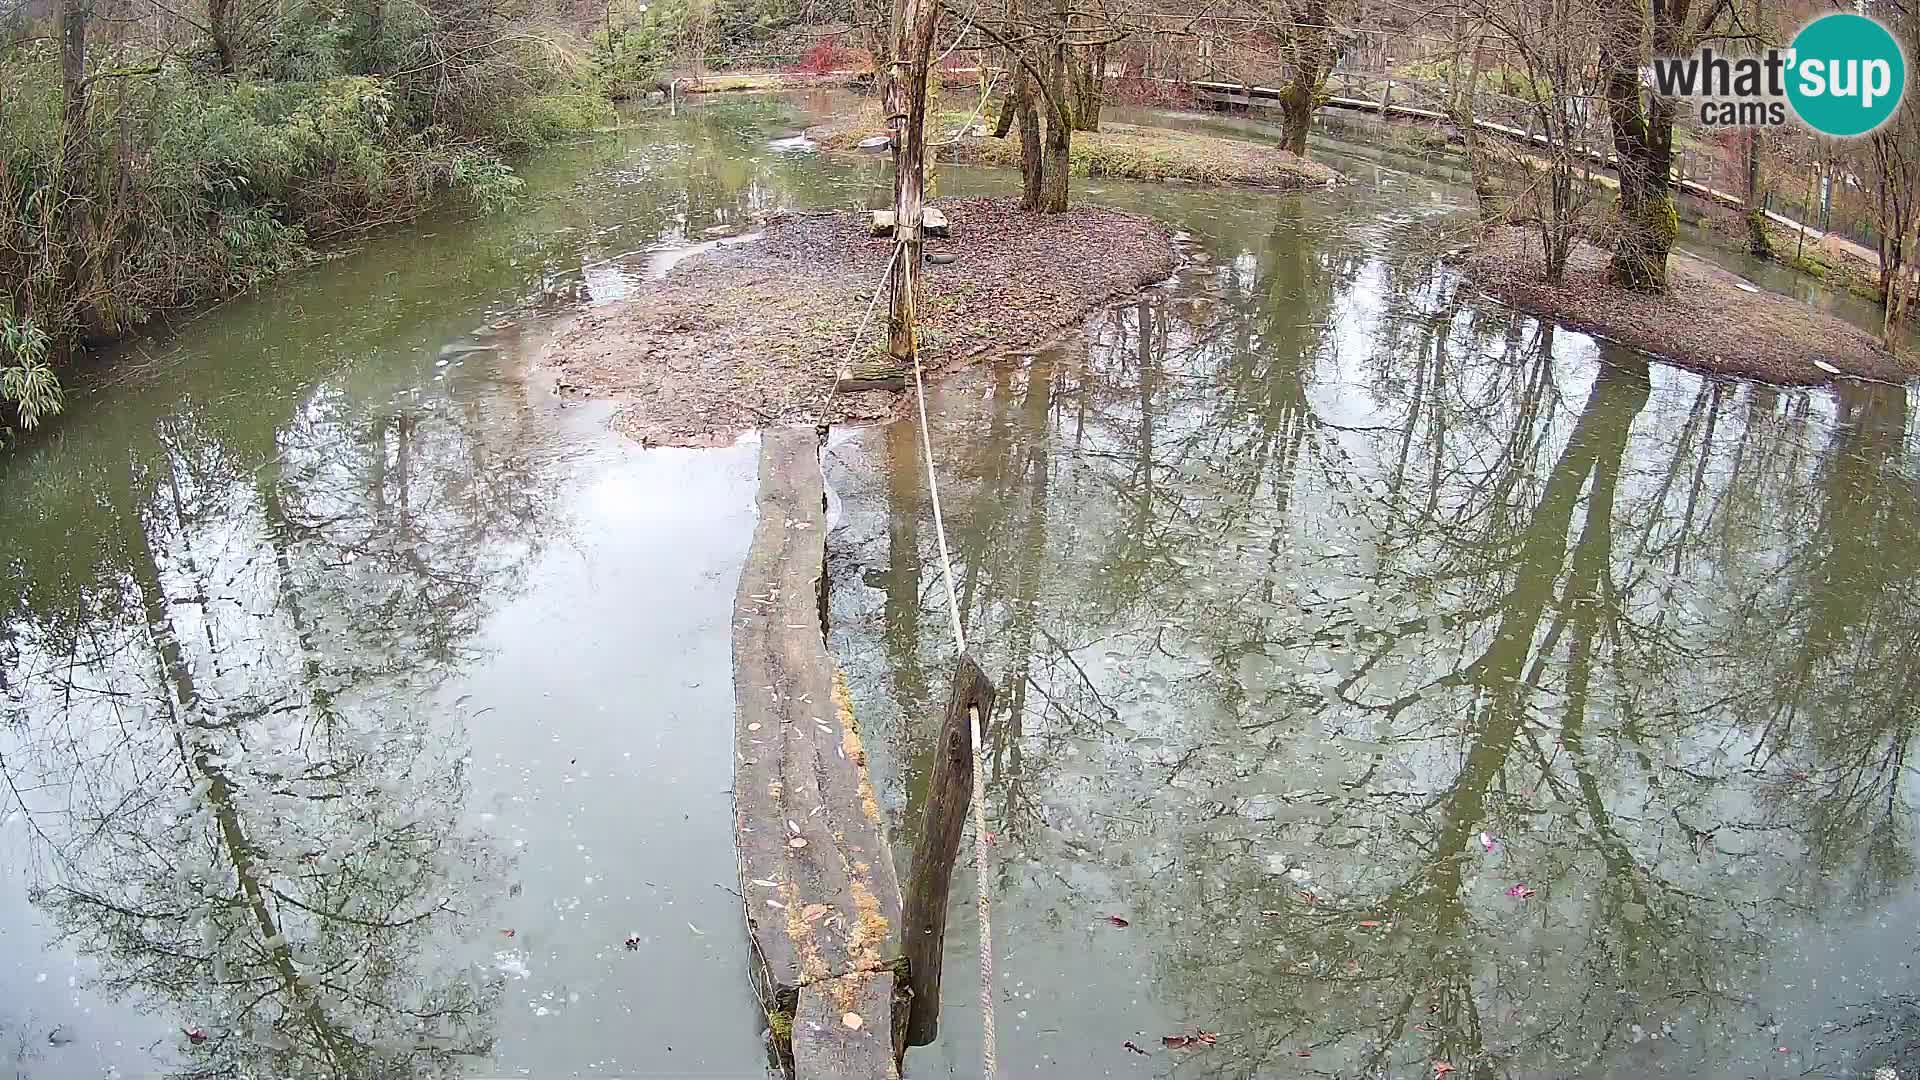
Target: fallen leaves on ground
<point x="754" y="334"/>
<point x="1703" y="321"/>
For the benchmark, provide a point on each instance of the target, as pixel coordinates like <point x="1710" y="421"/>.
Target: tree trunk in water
<point x="906" y="114"/>
<point x="1643" y="143"/>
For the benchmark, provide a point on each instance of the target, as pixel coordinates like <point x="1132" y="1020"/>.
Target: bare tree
<point x="1642" y="123"/>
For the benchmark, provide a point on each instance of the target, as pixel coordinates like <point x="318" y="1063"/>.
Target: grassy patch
<point x="1127" y="152"/>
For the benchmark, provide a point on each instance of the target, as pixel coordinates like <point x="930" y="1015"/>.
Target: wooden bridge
<point x="847" y="974"/>
<point x="1374" y="92"/>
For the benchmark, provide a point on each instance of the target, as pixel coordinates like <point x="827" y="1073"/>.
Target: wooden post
<point x="907" y="114"/>
<point x="949" y="791"/>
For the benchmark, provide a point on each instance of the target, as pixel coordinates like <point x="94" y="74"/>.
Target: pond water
<point x="1428" y="689"/>
<point x="367" y="713"/>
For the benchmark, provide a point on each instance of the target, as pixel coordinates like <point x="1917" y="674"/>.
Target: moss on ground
<point x="1116" y="151"/>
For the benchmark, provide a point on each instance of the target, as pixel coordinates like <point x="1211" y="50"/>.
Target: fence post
<point x="949" y="791"/>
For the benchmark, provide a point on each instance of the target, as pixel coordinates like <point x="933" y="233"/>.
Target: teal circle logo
<point x="1848" y="75"/>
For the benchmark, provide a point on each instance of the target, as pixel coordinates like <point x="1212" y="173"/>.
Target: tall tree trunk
<point x="220" y="30"/>
<point x="377" y="35"/>
<point x="1486" y="191"/>
<point x="1009" y="108"/>
<point x="73" y="63"/>
<point x="1032" y="163"/>
<point x="66" y="212"/>
<point x="1758" y="242"/>
<point x="1311" y="61"/>
<point x="1053" y="184"/>
<point x="1643" y="147"/>
<point x="906" y="114"/>
<point x="1090" y="89"/>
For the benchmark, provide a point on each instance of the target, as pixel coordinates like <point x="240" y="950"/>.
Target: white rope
<point x="981" y="882"/>
<point x="977" y="109"/>
<point x="826" y="406"/>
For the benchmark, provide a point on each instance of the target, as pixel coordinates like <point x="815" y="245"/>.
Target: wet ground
<point x="367" y="714"/>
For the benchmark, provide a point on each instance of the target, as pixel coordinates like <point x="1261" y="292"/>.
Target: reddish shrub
<point x="828" y="55"/>
<point x="1148" y="93"/>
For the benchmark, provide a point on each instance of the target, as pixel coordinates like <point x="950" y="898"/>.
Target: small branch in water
<point x="717" y="885"/>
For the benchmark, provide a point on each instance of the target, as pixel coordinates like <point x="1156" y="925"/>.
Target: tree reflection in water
<point x="1301" y="578"/>
<point x="241" y="807"/>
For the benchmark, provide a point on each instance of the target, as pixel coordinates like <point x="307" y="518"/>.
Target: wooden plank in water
<point x="839" y="1024"/>
<point x="822" y="899"/>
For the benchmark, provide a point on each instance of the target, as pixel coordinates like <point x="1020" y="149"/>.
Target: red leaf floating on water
<point x="1129" y="1045"/>
<point x="194" y="1035"/>
<point x="507" y="932"/>
<point x="633" y="942"/>
<point x="1486" y="841"/>
<point x="1303" y="1053"/>
<point x="1520" y="891"/>
<point x="1189" y="1042"/>
<point x="1115" y="920"/>
<point x="1441" y="1068"/>
<point x="1368" y="924"/>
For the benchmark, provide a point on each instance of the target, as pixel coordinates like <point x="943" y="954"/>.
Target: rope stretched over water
<point x="979" y="767"/>
<point x="980" y="858"/>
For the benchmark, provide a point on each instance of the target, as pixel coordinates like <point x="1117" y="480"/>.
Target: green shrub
<point x="548" y="118"/>
<point x="181" y="187"/>
<point x="27" y="385"/>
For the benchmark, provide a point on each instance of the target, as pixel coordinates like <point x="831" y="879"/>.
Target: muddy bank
<point x="754" y="333"/>
<point x="1708" y="320"/>
<point x="1116" y="151"/>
